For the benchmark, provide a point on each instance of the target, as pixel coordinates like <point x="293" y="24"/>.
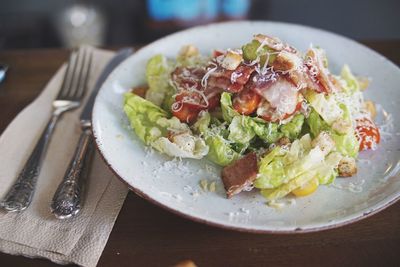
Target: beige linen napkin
<point x="36" y="232"/>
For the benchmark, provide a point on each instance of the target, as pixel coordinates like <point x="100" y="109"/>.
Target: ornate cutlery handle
<point x="20" y="195"/>
<point x="68" y="197"/>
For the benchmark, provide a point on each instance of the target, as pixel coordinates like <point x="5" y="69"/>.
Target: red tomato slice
<point x="246" y="102"/>
<point x="185" y="112"/>
<point x="367" y="133"/>
<point x="187" y="105"/>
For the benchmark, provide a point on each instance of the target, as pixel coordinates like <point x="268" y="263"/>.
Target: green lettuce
<point x="249" y="126"/>
<point x="228" y="113"/>
<point x="266" y="131"/>
<point x="158" y="70"/>
<point x="325" y="105"/>
<point x="220" y="151"/>
<point x="347" y="144"/>
<point x="284" y="165"/>
<point x="285" y="189"/>
<point x="316" y="123"/>
<point x="241" y="130"/>
<point x="350" y="83"/>
<point x="293" y="128"/>
<point x="152" y="125"/>
<point x="283" y="170"/>
<point x="202" y="123"/>
<point x="143" y="116"/>
<point x="271" y="171"/>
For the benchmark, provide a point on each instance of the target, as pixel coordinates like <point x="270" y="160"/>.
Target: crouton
<point x="286" y="61"/>
<point x="283" y="141"/>
<point x="184" y="140"/>
<point x="347" y="167"/>
<point x="325" y="142"/>
<point x="369" y="106"/>
<point x="188" y="51"/>
<point x="231" y="60"/>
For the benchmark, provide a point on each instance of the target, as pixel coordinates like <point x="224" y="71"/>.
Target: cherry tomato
<point x="187" y="111"/>
<point x="367" y="133"/>
<point x="184" y="110"/>
<point x="307" y="188"/>
<point x="246" y="102"/>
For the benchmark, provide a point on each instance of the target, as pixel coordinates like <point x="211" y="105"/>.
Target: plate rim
<point x="365" y="213"/>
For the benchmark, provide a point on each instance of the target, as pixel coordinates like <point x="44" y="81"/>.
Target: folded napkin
<point x="35" y="232"/>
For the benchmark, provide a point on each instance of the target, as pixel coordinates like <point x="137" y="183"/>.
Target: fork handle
<point x="20" y="195"/>
<point x="68" y="197"/>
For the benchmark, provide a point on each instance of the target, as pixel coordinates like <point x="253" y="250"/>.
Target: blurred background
<point x="67" y="23"/>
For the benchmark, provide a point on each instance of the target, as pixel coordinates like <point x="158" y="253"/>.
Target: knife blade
<point x="67" y="200"/>
<point x="114" y="62"/>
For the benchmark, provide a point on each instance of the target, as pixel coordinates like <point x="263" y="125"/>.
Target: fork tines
<point x="77" y="75"/>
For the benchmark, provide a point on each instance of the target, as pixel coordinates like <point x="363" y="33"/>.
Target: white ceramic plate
<point x="174" y="184"/>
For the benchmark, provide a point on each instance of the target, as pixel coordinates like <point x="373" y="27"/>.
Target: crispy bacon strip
<point x="240" y="174"/>
<point x="231" y="81"/>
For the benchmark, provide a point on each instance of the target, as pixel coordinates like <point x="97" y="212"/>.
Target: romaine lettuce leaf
<point x="158" y="70"/>
<point x="326" y="106"/>
<point x="220" y="151"/>
<point x="143" y="116"/>
<point x="326" y="172"/>
<point x="271" y="171"/>
<point x="283" y="170"/>
<point x="228" y="113"/>
<point x="202" y="123"/>
<point x="281" y="165"/>
<point x="284" y="189"/>
<point x="347" y="144"/>
<point x="316" y="123"/>
<point x="152" y="126"/>
<point x="268" y="132"/>
<point x="293" y="128"/>
<point x="240" y="130"/>
<point x="350" y="83"/>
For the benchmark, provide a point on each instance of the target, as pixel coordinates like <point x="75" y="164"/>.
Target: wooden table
<point x="146" y="235"/>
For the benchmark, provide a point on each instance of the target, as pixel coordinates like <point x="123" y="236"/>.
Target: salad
<point x="277" y="120"/>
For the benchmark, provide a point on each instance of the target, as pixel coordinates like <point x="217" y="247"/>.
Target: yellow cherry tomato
<point x="307" y="189"/>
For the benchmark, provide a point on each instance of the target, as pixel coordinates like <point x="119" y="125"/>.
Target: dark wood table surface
<point x="146" y="235"/>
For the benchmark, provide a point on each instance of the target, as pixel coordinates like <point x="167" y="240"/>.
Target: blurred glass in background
<point x="79" y="24"/>
<point x="68" y="23"/>
<point x="167" y="16"/>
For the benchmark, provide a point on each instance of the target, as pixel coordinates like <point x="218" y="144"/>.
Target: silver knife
<point x="67" y="200"/>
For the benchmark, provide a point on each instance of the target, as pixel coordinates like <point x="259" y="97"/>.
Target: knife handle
<point x="67" y="200"/>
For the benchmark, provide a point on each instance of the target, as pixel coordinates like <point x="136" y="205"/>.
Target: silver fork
<point x="71" y="93"/>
